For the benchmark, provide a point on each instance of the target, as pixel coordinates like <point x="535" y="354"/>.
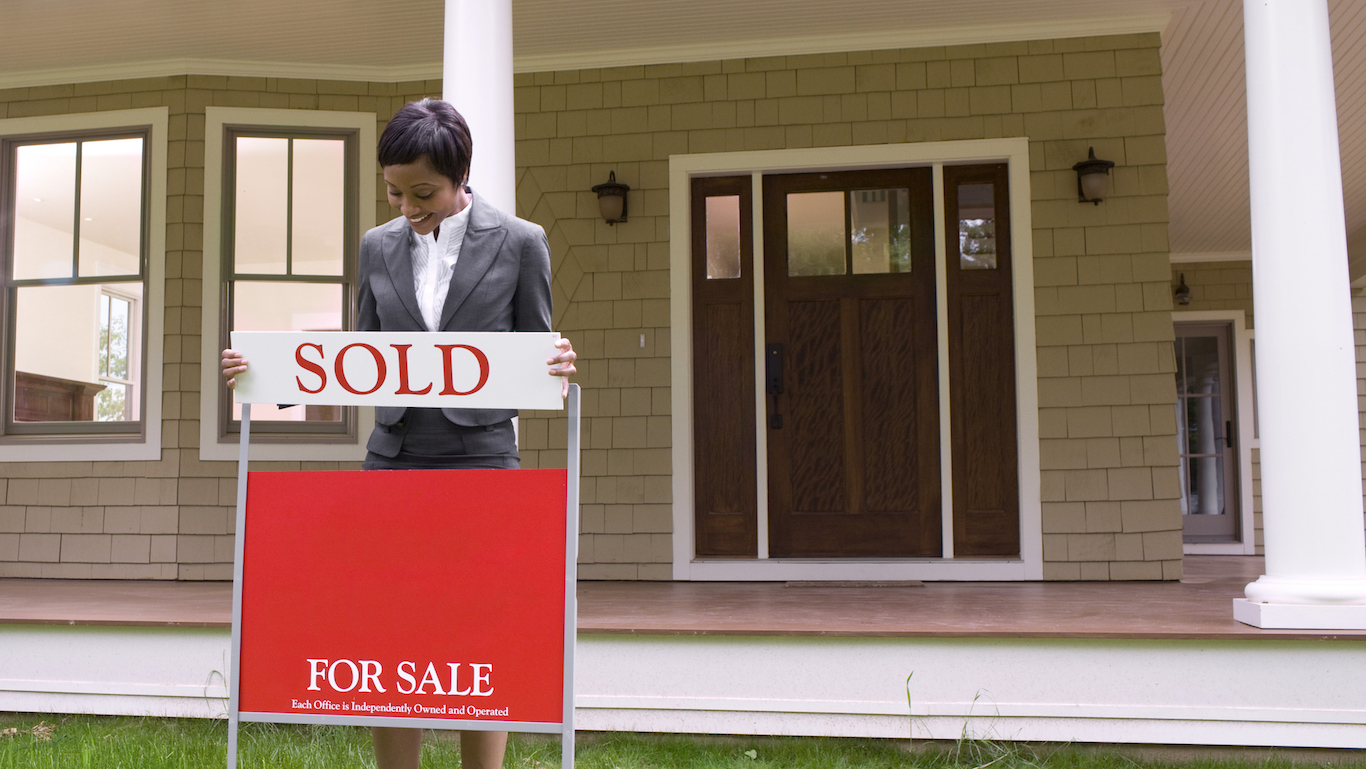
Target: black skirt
<point x="433" y="442"/>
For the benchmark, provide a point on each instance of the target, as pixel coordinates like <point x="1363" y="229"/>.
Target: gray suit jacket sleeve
<point x="501" y="283"/>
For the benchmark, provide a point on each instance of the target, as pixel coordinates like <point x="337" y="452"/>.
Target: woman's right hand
<point x="233" y="364"/>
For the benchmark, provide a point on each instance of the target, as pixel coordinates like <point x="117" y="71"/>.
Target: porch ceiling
<point x="81" y="40"/>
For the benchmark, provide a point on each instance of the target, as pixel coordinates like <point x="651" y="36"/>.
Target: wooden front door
<point x="851" y="364"/>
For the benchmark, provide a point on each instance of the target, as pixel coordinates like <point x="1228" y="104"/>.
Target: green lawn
<point x="99" y="742"/>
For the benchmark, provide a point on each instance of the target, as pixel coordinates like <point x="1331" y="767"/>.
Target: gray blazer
<point x="500" y="283"/>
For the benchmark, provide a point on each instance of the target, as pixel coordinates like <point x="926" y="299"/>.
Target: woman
<point x="450" y="262"/>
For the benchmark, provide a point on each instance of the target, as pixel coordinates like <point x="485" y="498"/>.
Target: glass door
<point x="1207" y="441"/>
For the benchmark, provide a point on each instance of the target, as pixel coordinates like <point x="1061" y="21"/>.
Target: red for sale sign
<point x="423" y="594"/>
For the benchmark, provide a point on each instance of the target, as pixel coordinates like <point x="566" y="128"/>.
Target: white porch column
<point x="1306" y="367"/>
<point x="476" y="76"/>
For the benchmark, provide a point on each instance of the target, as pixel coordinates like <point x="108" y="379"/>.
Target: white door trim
<point x="682" y="169"/>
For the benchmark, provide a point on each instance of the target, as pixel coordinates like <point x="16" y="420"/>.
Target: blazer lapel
<point x="483" y="237"/>
<point x="398" y="259"/>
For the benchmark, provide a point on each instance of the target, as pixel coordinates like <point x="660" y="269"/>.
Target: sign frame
<point x="565" y="728"/>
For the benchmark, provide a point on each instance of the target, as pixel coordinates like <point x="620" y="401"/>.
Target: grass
<point x="99" y="742"/>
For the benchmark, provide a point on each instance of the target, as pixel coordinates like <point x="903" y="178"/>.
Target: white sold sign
<point x="352" y="368"/>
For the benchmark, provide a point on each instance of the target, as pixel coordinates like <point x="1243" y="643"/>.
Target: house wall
<point x="1103" y="302"/>
<point x="1103" y="306"/>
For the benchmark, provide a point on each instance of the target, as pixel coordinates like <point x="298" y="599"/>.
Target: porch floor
<point x="1197" y="607"/>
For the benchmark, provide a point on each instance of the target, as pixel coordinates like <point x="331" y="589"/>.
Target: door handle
<point x="773" y="381"/>
<point x="1228" y="433"/>
<point x="773" y="359"/>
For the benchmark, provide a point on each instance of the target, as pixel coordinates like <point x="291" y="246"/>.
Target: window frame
<point x="270" y="431"/>
<point x="93" y="441"/>
<point x="9" y="145"/>
<point x="217" y="439"/>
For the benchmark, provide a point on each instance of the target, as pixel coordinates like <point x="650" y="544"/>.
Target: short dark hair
<point x="430" y="128"/>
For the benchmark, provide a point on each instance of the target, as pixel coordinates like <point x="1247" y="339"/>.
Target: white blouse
<point x="434" y="260"/>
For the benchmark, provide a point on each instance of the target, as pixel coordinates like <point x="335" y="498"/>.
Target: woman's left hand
<point x="562" y="365"/>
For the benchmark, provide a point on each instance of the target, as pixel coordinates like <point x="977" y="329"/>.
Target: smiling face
<point x="424" y="196"/>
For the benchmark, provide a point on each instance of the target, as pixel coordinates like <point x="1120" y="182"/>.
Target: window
<point x="289" y="251"/>
<point x="75" y="277"/>
<point x="287" y="196"/>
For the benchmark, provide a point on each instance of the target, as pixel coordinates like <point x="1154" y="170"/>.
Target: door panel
<point x="815" y="403"/>
<point x="890" y="408"/>
<point x="849" y="296"/>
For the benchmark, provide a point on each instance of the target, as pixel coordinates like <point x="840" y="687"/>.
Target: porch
<point x="1112" y="662"/>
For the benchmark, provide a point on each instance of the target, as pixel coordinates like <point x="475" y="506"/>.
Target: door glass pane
<point x="1204" y="426"/>
<point x="261" y="206"/>
<point x="880" y="230"/>
<point x="319" y="204"/>
<point x="1201" y="367"/>
<point x="815" y="233"/>
<point x="111" y="207"/>
<point x="66" y="338"/>
<point x="1205" y="485"/>
<point x="44" y="210"/>
<point x="263" y="306"/>
<point x="723" y="236"/>
<point x="977" y="226"/>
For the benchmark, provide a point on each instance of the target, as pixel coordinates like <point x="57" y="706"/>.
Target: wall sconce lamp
<point x="612" y="199"/>
<point x="1183" y="292"/>
<point x="1093" y="178"/>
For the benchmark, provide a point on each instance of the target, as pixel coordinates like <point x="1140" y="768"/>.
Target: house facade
<point x="976" y="373"/>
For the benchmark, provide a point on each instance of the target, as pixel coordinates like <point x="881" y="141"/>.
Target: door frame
<point x="682" y="168"/>
<point x="1241" y="339"/>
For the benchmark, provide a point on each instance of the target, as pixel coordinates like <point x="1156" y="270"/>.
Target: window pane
<point x="319" y="204"/>
<point x="815" y="233"/>
<point x="880" y="230"/>
<point x="44" y="210"/>
<point x="114" y="328"/>
<point x="111" y="207"/>
<point x="977" y="226"/>
<point x="723" y="236"/>
<point x="261" y="205"/>
<point x="63" y="341"/>
<point x="112" y="403"/>
<point x="260" y="306"/>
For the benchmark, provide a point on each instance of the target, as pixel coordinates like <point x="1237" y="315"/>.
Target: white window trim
<point x="215" y="119"/>
<point x="146" y="447"/>
<point x="1242" y="365"/>
<point x="682" y="168"/>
